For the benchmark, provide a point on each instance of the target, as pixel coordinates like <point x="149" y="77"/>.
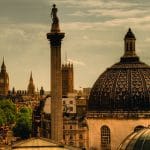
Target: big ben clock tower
<point x="4" y="80"/>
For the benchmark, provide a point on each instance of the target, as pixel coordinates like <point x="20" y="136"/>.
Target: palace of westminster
<point x="112" y="115"/>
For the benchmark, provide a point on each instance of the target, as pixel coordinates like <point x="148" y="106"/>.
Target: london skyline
<point x="94" y="35"/>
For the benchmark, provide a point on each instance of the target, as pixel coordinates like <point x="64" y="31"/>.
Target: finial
<point x="31" y="79"/>
<point x="55" y="20"/>
<point x="130" y="34"/>
<point x="129" y="29"/>
<point x="3" y="67"/>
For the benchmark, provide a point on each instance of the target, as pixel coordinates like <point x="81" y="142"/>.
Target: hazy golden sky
<point x="94" y="36"/>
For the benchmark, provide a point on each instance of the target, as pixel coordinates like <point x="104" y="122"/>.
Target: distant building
<point x="67" y="79"/>
<point x="42" y="92"/>
<point x="4" y="81"/>
<point x="75" y="130"/>
<point x="86" y="92"/>
<point x="69" y="105"/>
<point x="81" y="106"/>
<point x="31" y="86"/>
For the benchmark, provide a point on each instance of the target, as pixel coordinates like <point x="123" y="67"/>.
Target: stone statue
<point x="55" y="20"/>
<point x="54" y="14"/>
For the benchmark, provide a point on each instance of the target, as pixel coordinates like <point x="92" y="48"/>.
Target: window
<point x="81" y="145"/>
<point x="71" y="137"/>
<point x="63" y="136"/>
<point x="105" y="138"/>
<point x="130" y="46"/>
<point x="80" y="136"/>
<point x="71" y="102"/>
<point x="127" y="46"/>
<point x="71" y="108"/>
<point x="138" y="128"/>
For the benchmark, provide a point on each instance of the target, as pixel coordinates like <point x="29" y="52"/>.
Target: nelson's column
<point x="55" y="37"/>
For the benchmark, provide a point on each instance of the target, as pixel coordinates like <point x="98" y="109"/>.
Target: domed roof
<point x="137" y="141"/>
<point x="124" y="86"/>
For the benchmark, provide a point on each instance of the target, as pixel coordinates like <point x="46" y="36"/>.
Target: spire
<point x="31" y="87"/>
<point x="55" y="21"/>
<point x="3" y="67"/>
<point x="31" y="78"/>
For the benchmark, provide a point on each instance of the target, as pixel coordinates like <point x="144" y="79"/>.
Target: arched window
<point x="105" y="138"/>
<point x="130" y="46"/>
<point x="127" y="46"/>
<point x="138" y="128"/>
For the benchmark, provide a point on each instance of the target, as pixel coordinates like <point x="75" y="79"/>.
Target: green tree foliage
<point x="7" y="112"/>
<point x="23" y="125"/>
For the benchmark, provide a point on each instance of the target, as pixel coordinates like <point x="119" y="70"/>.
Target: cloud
<point x="118" y="13"/>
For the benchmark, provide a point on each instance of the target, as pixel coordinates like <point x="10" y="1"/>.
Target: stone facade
<point x="119" y="130"/>
<point x="75" y="132"/>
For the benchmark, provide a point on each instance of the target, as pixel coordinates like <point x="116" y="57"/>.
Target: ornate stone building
<point x="31" y="86"/>
<point x="75" y="131"/>
<point x="4" y="81"/>
<point x="119" y="101"/>
<point x="67" y="79"/>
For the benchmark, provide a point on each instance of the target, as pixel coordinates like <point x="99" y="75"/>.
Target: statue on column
<point x="55" y="20"/>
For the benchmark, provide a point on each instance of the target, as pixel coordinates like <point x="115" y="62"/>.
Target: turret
<point x="129" y="48"/>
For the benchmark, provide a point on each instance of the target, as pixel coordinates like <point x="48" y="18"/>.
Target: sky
<point x="94" y="33"/>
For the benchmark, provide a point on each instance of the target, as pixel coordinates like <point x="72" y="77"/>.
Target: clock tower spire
<point x="4" y="80"/>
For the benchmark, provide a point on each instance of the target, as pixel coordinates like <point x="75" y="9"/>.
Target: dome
<point x="124" y="86"/>
<point x="137" y="141"/>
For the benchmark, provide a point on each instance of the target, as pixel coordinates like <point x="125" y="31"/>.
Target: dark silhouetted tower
<point x="67" y="79"/>
<point x="4" y="80"/>
<point x="31" y="86"/>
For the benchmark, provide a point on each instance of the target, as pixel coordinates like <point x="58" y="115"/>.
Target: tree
<point x="23" y="127"/>
<point x="2" y="117"/>
<point x="7" y="112"/>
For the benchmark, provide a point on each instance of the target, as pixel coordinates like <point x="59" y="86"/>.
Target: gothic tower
<point x="67" y="79"/>
<point x="4" y="80"/>
<point x="31" y="86"/>
<point x="55" y="37"/>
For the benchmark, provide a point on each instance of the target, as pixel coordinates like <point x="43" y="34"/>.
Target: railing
<point x="120" y="114"/>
